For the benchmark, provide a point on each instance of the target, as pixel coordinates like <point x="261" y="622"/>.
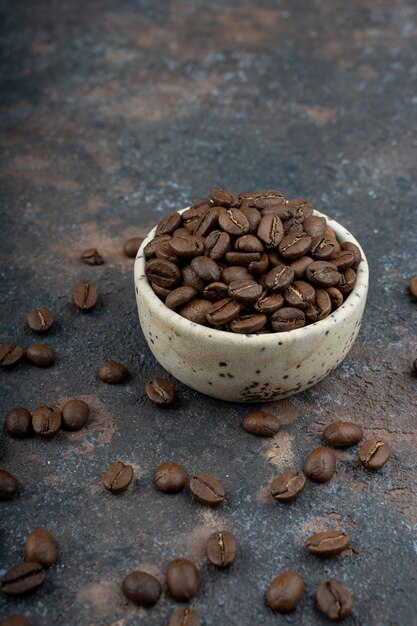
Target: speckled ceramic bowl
<point x="249" y="368"/>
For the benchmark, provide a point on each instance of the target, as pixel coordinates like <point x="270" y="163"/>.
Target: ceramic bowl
<point x="249" y="368"/>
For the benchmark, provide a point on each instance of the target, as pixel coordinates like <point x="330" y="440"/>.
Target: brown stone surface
<point x="113" y="114"/>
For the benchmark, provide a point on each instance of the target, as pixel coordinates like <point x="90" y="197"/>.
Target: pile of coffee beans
<point x="250" y="263"/>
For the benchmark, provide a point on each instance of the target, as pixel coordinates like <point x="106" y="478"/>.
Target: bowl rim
<point x="174" y="320"/>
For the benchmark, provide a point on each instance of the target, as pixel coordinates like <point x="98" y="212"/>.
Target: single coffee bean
<point x="112" y="372"/>
<point x="18" y="422"/>
<point x="373" y="454"/>
<point x="269" y="303"/>
<point x="131" y="247"/>
<point x="299" y="266"/>
<point x="234" y="222"/>
<point x="279" y="278"/>
<point x="192" y="279"/>
<point x="248" y="324"/>
<point x="206" y="268"/>
<point x="248" y="243"/>
<point x="347" y="281"/>
<point x="75" y="415"/>
<point x="353" y="248"/>
<point x="192" y="216"/>
<point x="180" y="296"/>
<point x="270" y="230"/>
<point x="261" y="424"/>
<point x="8" y="485"/>
<point x="41" y="547"/>
<point x="221" y="197"/>
<point x="315" y="227"/>
<point x="292" y="227"/>
<point x="141" y="588"/>
<point x="320" y="464"/>
<point x="285" y="592"/>
<point x="259" y="267"/>
<point x="321" y="308"/>
<point x="323" y="274"/>
<point x="246" y="199"/>
<point x="254" y="217"/>
<point x="184" y="617"/>
<point x="242" y="258"/>
<point x="328" y="543"/>
<point x="164" y="252"/>
<point x="161" y="292"/>
<point x="324" y="249"/>
<point x="223" y="312"/>
<point x="332" y="235"/>
<point x="343" y="434"/>
<point x="92" y="257"/>
<point x="181" y="232"/>
<point x="342" y="260"/>
<point x="85" y="295"/>
<point x="182" y="579"/>
<point x="170" y="477"/>
<point x="15" y="620"/>
<point x="41" y="355"/>
<point x="150" y="248"/>
<point x="280" y="210"/>
<point x="46" y="421"/>
<point x="163" y="273"/>
<point x="207" y="222"/>
<point x="287" y="486"/>
<point x="187" y="247"/>
<point x="118" y="477"/>
<point x="207" y="489"/>
<point x="160" y="392"/>
<point x="23" y="578"/>
<point x="221" y="549"/>
<point x="168" y="224"/>
<point x="217" y="244"/>
<point x="41" y="320"/>
<point x="334" y="600"/>
<point x="294" y="245"/>
<point x="196" y="310"/>
<point x="245" y="291"/>
<point x="302" y="209"/>
<point x="235" y="272"/>
<point x="299" y="294"/>
<point x="216" y="291"/>
<point x="336" y="297"/>
<point x="10" y="354"/>
<point x="287" y="318"/>
<point x="265" y="199"/>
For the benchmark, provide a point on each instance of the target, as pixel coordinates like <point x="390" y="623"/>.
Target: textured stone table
<point x="116" y="113"/>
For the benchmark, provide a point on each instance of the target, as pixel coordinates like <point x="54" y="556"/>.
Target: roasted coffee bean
<point x="216" y="291"/>
<point x="8" y="485"/>
<point x="320" y="464"/>
<point x="334" y="600"/>
<point x="199" y="201"/>
<point x="323" y="274"/>
<point x="18" y="422"/>
<point x="41" y="320"/>
<point x="180" y="296"/>
<point x="265" y="199"/>
<point x="23" y="578"/>
<point x="254" y="217"/>
<point x="207" y="489"/>
<point x="150" y="248"/>
<point x="41" y="547"/>
<point x="131" y="247"/>
<point x="287" y="486"/>
<point x="292" y="227"/>
<point x="161" y="292"/>
<point x="221" y="549"/>
<point x="342" y="260"/>
<point x="343" y="434"/>
<point x="85" y="295"/>
<point x="112" y="372"/>
<point x="223" y="312"/>
<point x="160" y="392"/>
<point x="373" y="454"/>
<point x="163" y="273"/>
<point x="302" y="209"/>
<point x="196" y="310"/>
<point x="168" y="224"/>
<point x="324" y="249"/>
<point x="283" y="211"/>
<point x="184" y="617"/>
<point x="192" y="216"/>
<point x="294" y="245"/>
<point x="248" y="324"/>
<point x="261" y="424"/>
<point x="270" y="230"/>
<point x="192" y="279"/>
<point x="217" y="244"/>
<point x="242" y="258"/>
<point x="15" y="620"/>
<point x="181" y="232"/>
<point x="235" y="272"/>
<point x="187" y="247"/>
<point x="328" y="543"/>
<point x="353" y="248"/>
<point x="141" y="588"/>
<point x="321" y="308"/>
<point x="332" y="235"/>
<point x="315" y="227"/>
<point x="275" y="259"/>
<point x="248" y="243"/>
<point x="206" y="222"/>
<point x="41" y="355"/>
<point x="234" y="222"/>
<point x="285" y="592"/>
<point x="347" y="281"/>
<point x="182" y="579"/>
<point x="300" y="294"/>
<point x="221" y="197"/>
<point x="46" y="421"/>
<point x="279" y="278"/>
<point x="74" y="415"/>
<point x="245" y="291"/>
<point x="287" y="318"/>
<point x="170" y="477"/>
<point x="163" y="251"/>
<point x="92" y="257"/>
<point x="206" y="268"/>
<point x="336" y="297"/>
<point x="300" y="266"/>
<point x="10" y="354"/>
<point x="259" y="267"/>
<point x="118" y="477"/>
<point x="269" y="303"/>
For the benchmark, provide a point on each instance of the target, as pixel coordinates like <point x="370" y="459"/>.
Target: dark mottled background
<point x="114" y="113"/>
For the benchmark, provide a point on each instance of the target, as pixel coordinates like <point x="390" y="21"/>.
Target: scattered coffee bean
<point x="170" y="477"/>
<point x="184" y="617"/>
<point x="131" y="247"/>
<point x="92" y="257"/>
<point x="112" y="372"/>
<point x="182" y="579"/>
<point x="328" y="543"/>
<point x="41" y="547"/>
<point x="160" y="392"/>
<point x="41" y="355"/>
<point x="343" y="434"/>
<point x="221" y="549"/>
<point x="23" y="578"/>
<point x="207" y="489"/>
<point x="18" y="422"/>
<point x="85" y="295"/>
<point x="46" y="421"/>
<point x="413" y="286"/>
<point x="285" y="592"/>
<point x="261" y="424"/>
<point x="118" y="477"/>
<point x="320" y="465"/>
<point x="141" y="588"/>
<point x="8" y="485"/>
<point x="41" y="320"/>
<point x="15" y="620"/>
<point x="287" y="486"/>
<point x="75" y="414"/>
<point x="10" y="354"/>
<point x="334" y="600"/>
<point x="373" y="454"/>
